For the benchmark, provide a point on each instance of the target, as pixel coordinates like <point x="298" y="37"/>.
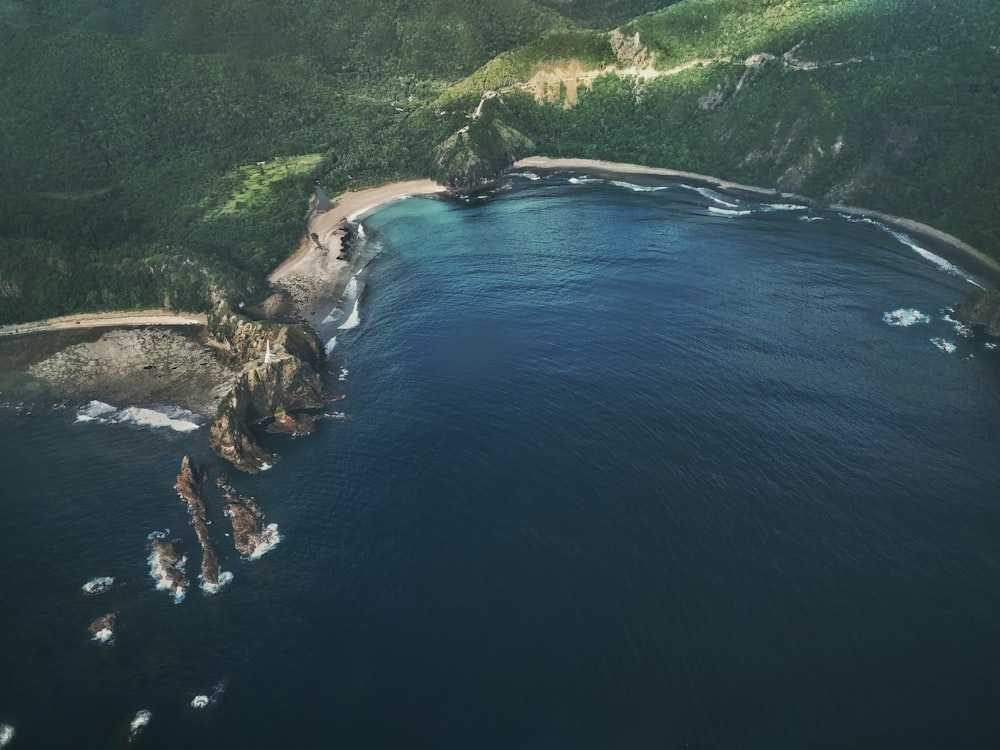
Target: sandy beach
<point x="314" y="271"/>
<point x="948" y="245"/>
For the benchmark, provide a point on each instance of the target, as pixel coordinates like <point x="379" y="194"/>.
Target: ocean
<point x="623" y="464"/>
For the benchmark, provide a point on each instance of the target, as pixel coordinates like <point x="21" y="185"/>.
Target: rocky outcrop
<point x="189" y="487"/>
<point x="166" y="566"/>
<point x="103" y="628"/>
<point x="479" y="154"/>
<point x="251" y="538"/>
<point x="282" y="367"/>
<point x="982" y="309"/>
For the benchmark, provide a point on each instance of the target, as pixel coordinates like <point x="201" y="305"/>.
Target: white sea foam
<point x="107" y="635"/>
<point x="95" y="411"/>
<point x="265" y="466"/>
<point x="159" y="574"/>
<point x="225" y="577"/>
<point x="728" y="212"/>
<point x="361" y="231"/>
<point x="343" y="373"/>
<point x="142" y="717"/>
<point x="269" y="539"/>
<point x="158" y="534"/>
<point x="583" y="180"/>
<point x="636" y="188"/>
<point x="6" y="734"/>
<point x="175" y="418"/>
<point x="903" y="317"/>
<point x="960" y="328"/>
<point x="529" y="176"/>
<point x="353" y="319"/>
<point x="711" y="195"/>
<point x="784" y="207"/>
<point x="809" y="217"/>
<point x="989" y="346"/>
<point x="943" y="344"/>
<point x="98" y="585"/>
<point x="911" y="243"/>
<point x="331" y="343"/>
<point x="199" y="701"/>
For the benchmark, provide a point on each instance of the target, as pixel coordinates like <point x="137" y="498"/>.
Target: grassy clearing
<point x="254" y="182"/>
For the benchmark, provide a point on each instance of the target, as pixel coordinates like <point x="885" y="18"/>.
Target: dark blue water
<point x="620" y="471"/>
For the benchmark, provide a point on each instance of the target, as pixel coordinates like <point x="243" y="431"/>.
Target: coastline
<point x="950" y="247"/>
<point x="313" y="273"/>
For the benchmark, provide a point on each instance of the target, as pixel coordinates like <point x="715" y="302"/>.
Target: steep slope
<point x="889" y="105"/>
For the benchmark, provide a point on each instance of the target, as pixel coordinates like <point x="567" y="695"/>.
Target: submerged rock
<point x="189" y="488"/>
<point x="251" y="538"/>
<point x="981" y="309"/>
<point x="103" y="628"/>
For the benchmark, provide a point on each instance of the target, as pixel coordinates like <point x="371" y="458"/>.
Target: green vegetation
<point x="130" y="134"/>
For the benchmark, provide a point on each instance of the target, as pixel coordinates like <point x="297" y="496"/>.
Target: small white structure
<point x="268" y="354"/>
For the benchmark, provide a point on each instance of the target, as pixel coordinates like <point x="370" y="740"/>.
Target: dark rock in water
<point x="98" y="585"/>
<point x="250" y="537"/>
<point x="981" y="309"/>
<point x="282" y="368"/>
<point x="292" y="424"/>
<point x="103" y="628"/>
<point x="167" y="567"/>
<point x="189" y="487"/>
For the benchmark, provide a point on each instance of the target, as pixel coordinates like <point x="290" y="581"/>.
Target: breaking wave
<point x="159" y="574"/>
<point x="903" y="317"/>
<point x="636" y="188"/>
<point x="6" y="734"/>
<point x="728" y="212"/>
<point x="173" y="417"/>
<point x="142" y="717"/>
<point x="225" y="578"/>
<point x="911" y="243"/>
<point x="330" y="344"/>
<point x="98" y="585"/>
<point x="784" y="207"/>
<point x="943" y="344"/>
<point x="269" y="539"/>
<point x="203" y="701"/>
<point x="960" y="328"/>
<point x="107" y="635"/>
<point x="711" y="195"/>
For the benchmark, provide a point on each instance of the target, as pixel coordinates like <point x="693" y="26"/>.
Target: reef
<point x="189" y="487"/>
<point x="280" y="382"/>
<point x="981" y="309"/>
<point x="250" y="536"/>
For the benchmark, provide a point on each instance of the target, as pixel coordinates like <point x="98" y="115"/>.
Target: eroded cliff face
<point x="251" y="538"/>
<point x="282" y="373"/>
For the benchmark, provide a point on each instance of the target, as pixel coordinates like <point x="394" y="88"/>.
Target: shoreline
<point x="950" y="247"/>
<point x="314" y="271"/>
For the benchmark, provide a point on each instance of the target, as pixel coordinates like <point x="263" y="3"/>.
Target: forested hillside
<point x="130" y="134"/>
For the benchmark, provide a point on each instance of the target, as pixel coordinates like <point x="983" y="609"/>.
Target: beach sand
<point x="313" y="274"/>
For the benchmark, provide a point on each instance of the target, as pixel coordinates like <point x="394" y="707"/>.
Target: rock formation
<point x="281" y="375"/>
<point x="103" y="628"/>
<point x="166" y="566"/>
<point x="250" y="537"/>
<point x="982" y="309"/>
<point x="188" y="486"/>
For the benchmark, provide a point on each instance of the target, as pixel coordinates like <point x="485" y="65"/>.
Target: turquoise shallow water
<point x="623" y="467"/>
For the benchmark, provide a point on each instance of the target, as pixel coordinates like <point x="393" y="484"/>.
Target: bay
<point x="624" y="464"/>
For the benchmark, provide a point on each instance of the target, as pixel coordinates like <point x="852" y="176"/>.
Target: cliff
<point x="281" y="375"/>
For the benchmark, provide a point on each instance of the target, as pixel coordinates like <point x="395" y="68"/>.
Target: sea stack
<point x="189" y="488"/>
<point x="166" y="566"/>
<point x="250" y="537"/>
